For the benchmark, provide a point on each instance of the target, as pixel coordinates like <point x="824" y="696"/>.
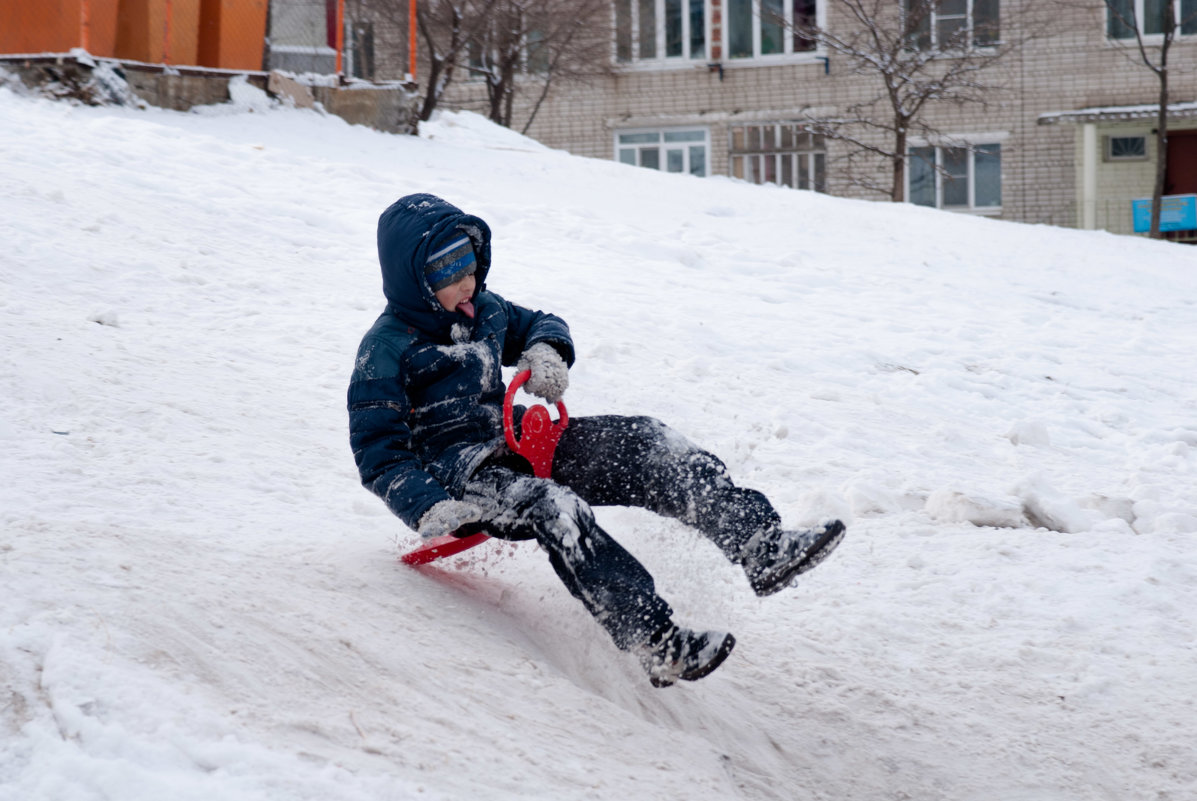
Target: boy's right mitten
<point x="447" y="517"/>
<point x="550" y="374"/>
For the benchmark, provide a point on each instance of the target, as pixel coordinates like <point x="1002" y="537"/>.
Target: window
<point x="536" y="53"/>
<point x="361" y="50"/>
<point x="769" y="27"/>
<point x="660" y="30"/>
<point x="779" y="153"/>
<point x="953" y="24"/>
<point x="958" y="178"/>
<point x="1126" y="148"/>
<point x="1151" y="16"/>
<point x="485" y="55"/>
<point x="682" y="151"/>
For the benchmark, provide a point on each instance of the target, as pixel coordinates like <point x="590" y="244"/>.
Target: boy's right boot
<point x="773" y="557"/>
<point x="675" y="653"/>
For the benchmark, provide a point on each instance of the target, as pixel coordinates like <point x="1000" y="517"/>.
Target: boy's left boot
<point x="773" y="557"/>
<point x="675" y="653"/>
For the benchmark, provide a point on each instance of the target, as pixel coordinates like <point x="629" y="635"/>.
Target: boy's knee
<point x="704" y="472"/>
<point x="541" y="502"/>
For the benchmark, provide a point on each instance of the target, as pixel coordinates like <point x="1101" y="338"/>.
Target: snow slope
<point x="199" y="601"/>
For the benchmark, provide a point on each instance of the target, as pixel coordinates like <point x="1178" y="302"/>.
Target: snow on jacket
<point x="426" y="396"/>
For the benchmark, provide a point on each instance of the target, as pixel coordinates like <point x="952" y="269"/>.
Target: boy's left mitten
<point x="446" y="517"/>
<point x="550" y="374"/>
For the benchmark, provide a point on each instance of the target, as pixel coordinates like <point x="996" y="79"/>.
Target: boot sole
<point x="725" y="648"/>
<point x="822" y="548"/>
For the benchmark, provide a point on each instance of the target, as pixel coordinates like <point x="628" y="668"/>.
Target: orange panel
<point x="56" y="26"/>
<point x="232" y="34"/>
<point x="100" y="29"/>
<point x="46" y="28"/>
<point x="158" y="31"/>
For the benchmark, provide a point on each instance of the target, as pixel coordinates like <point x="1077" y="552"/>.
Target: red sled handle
<point x="540" y="436"/>
<point x="540" y="433"/>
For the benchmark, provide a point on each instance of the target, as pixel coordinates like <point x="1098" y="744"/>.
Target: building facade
<point x="729" y="87"/>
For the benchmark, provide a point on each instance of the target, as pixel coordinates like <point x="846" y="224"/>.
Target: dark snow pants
<point x="616" y="461"/>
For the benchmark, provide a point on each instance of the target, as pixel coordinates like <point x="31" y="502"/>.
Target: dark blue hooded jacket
<point x="426" y="397"/>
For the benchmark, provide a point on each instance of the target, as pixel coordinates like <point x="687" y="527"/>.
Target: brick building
<point x="713" y="87"/>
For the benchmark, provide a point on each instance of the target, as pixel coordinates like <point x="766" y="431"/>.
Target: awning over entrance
<point x="1148" y="111"/>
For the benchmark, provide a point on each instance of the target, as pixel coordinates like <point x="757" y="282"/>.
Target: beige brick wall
<point x="388" y="19"/>
<point x="1070" y="68"/>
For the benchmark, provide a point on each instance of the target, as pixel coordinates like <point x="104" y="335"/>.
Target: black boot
<point x="674" y="653"/>
<point x="774" y="557"/>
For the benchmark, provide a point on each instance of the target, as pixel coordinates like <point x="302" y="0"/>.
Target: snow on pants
<point x="616" y="461"/>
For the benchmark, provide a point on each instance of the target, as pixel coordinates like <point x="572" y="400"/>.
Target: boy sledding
<point x="425" y="419"/>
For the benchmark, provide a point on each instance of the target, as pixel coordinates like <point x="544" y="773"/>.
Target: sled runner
<point x="537" y="444"/>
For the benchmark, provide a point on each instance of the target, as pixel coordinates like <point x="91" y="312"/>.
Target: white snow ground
<point x="199" y="601"/>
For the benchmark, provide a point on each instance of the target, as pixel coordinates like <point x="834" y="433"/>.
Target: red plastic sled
<point x="540" y="437"/>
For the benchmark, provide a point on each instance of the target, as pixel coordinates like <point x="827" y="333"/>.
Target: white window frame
<point x="788" y="51"/>
<point x="1179" y="7"/>
<point x="659" y="58"/>
<point x="971" y="146"/>
<point x="970" y="26"/>
<point x="694" y="137"/>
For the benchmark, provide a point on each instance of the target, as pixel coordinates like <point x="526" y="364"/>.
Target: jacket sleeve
<point x="526" y="327"/>
<point x="380" y="435"/>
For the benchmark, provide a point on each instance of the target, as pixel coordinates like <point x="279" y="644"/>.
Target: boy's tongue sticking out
<point x="450" y="272"/>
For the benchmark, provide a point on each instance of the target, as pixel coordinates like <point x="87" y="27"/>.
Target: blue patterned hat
<point x="450" y="262"/>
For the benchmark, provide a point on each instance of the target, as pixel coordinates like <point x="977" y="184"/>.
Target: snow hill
<point x="198" y="601"/>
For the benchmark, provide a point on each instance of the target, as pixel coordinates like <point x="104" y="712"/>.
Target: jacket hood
<point x="407" y="231"/>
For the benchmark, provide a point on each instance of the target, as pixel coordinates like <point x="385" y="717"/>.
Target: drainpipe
<point x="411" y="40"/>
<point x="85" y="25"/>
<point x="168" y="12"/>
<point x="340" y="35"/>
<point x="1088" y="176"/>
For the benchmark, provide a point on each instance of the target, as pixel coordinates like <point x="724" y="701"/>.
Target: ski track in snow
<point x="200" y="601"/>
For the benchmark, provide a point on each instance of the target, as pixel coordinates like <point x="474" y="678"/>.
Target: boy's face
<point x="456" y="297"/>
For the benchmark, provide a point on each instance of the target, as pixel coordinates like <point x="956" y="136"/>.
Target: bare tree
<point x="1153" y="38"/>
<point x="531" y="44"/>
<point x="575" y="48"/>
<point x="449" y="28"/>
<point x="512" y="45"/>
<point x="922" y="53"/>
<point x="500" y="52"/>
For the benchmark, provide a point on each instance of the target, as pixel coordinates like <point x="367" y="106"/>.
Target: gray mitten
<point x="550" y="375"/>
<point x="445" y="517"/>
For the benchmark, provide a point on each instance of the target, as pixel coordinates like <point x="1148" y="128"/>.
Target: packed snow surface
<point x="199" y="601"/>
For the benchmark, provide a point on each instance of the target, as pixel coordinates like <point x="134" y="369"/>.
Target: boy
<point x="425" y="424"/>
